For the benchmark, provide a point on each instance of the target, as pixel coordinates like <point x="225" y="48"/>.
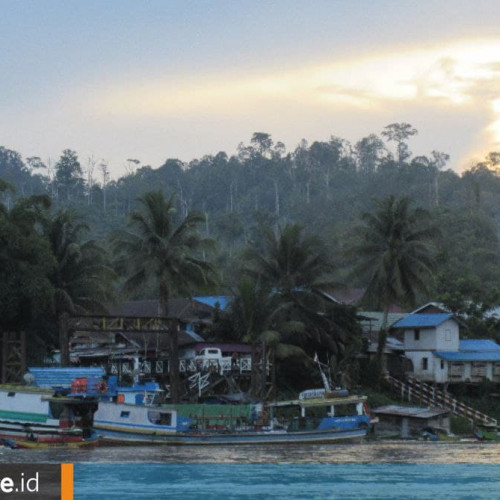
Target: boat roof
<point x="312" y="402"/>
<point x="62" y="376"/>
<point x="25" y="388"/>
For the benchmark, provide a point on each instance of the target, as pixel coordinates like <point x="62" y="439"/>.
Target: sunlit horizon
<point x="174" y="81"/>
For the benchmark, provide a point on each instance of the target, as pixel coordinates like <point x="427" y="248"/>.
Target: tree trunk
<point x="64" y="338"/>
<point x="254" y="377"/>
<point x="173" y="343"/>
<point x="263" y="371"/>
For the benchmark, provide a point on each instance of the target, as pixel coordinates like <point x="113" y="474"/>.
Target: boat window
<point x="11" y="394"/>
<point x="160" y="417"/>
<point x="346" y="410"/>
<point x="56" y="409"/>
<point x="125" y="414"/>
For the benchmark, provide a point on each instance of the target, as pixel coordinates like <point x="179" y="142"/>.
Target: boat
<point x="34" y="417"/>
<point x="322" y="417"/>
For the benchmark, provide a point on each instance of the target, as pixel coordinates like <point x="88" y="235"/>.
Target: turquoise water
<point x="276" y="481"/>
<point x="367" y="470"/>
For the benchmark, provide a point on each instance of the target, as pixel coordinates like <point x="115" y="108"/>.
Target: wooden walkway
<point x="426" y="395"/>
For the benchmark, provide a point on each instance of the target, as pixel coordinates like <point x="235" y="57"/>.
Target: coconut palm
<point x="295" y="267"/>
<point x="161" y="251"/>
<point x="292" y="263"/>
<point x="81" y="277"/>
<point x="395" y="255"/>
<point x="256" y="315"/>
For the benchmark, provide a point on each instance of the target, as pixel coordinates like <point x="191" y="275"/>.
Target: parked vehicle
<point x="211" y="358"/>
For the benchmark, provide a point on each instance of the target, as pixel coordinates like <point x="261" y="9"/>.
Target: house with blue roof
<point x="432" y="343"/>
<point x="425" y="334"/>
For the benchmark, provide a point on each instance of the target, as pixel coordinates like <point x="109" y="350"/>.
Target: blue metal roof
<point x="422" y="320"/>
<point x="469" y="356"/>
<point x="62" y="377"/>
<point x="211" y="301"/>
<point x="478" y="345"/>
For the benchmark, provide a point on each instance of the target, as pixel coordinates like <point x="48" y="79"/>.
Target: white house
<point x="424" y="336"/>
<point x="432" y="343"/>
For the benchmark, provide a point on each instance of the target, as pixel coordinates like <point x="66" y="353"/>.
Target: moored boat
<point x="32" y="417"/>
<point x="323" y="417"/>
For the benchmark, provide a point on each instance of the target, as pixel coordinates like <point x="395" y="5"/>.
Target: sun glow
<point x="464" y="73"/>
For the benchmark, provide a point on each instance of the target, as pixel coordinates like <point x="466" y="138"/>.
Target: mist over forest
<point x="323" y="186"/>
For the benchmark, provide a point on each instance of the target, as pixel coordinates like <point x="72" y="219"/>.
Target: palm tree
<point x="257" y="318"/>
<point x="295" y="268"/>
<point x="394" y="249"/>
<point x="157" y="250"/>
<point x="292" y="263"/>
<point x="81" y="277"/>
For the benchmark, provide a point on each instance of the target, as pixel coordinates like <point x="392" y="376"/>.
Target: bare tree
<point x="103" y="166"/>
<point x="91" y="163"/>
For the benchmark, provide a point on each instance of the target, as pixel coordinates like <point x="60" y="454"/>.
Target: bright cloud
<point x="463" y="75"/>
<point x="453" y="74"/>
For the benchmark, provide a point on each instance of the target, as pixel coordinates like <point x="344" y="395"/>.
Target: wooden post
<point x="13" y="357"/>
<point x="64" y="338"/>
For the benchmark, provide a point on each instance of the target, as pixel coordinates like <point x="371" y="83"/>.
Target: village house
<point x="432" y="342"/>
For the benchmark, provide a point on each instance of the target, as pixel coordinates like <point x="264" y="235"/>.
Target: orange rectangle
<point x="66" y="481"/>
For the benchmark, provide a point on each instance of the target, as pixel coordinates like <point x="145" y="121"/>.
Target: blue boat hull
<point x="117" y="437"/>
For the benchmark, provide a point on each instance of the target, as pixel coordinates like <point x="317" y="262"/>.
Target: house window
<point x="425" y="363"/>
<point x="447" y="335"/>
<point x="125" y="414"/>
<point x="417" y="334"/>
<point x="442" y="364"/>
<point x="11" y="394"/>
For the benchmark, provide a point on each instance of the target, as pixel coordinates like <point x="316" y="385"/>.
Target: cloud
<point x="461" y="76"/>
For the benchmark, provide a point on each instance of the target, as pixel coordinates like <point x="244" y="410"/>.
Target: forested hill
<point x="324" y="186"/>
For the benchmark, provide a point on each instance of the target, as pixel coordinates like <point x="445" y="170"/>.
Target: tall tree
<point x="81" y="277"/>
<point x="395" y="255"/>
<point x="162" y="251"/>
<point x="292" y="262"/>
<point x="25" y="263"/>
<point x="69" y="174"/>
<point x="399" y="133"/>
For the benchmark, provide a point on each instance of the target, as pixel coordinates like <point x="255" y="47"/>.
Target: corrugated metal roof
<point x="62" y="377"/>
<point x="422" y="320"/>
<point x="410" y="411"/>
<point x="212" y="301"/>
<point x="493" y="356"/>
<point x="478" y="345"/>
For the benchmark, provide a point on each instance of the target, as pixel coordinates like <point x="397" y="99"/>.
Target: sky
<point x="158" y="79"/>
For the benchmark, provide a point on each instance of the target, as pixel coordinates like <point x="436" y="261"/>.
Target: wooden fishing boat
<point x="322" y="417"/>
<point x="33" y="417"/>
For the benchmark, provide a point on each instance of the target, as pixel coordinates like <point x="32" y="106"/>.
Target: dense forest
<point x="324" y="187"/>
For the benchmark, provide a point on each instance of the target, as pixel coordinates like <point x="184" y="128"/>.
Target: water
<point x="378" y="470"/>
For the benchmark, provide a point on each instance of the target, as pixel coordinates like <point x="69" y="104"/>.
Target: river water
<point x="371" y="469"/>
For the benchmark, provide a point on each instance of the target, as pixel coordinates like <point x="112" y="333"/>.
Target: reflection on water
<point x="381" y="452"/>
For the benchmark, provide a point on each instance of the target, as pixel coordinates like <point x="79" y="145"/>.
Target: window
<point x="11" y="394"/>
<point x="442" y="364"/>
<point x="447" y="335"/>
<point x="160" y="418"/>
<point x="425" y="364"/>
<point x="417" y="335"/>
<point x="124" y="414"/>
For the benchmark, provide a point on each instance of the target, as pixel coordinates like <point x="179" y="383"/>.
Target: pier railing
<point x="419" y="392"/>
